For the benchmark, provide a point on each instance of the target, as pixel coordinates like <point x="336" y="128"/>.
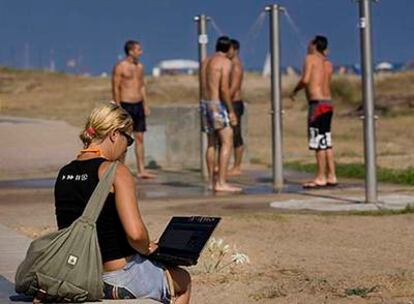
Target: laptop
<point x="183" y="240"/>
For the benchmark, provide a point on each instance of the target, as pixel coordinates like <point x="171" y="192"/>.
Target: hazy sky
<point x="94" y="31"/>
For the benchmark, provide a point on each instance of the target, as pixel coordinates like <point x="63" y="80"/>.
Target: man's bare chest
<point x="131" y="73"/>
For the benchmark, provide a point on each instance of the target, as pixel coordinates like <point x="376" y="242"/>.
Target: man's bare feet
<point x="234" y="172"/>
<point x="213" y="181"/>
<point x="315" y="184"/>
<point x="146" y="175"/>
<point x="226" y="188"/>
<point x="332" y="181"/>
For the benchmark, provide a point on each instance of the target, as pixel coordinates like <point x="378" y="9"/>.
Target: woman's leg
<point x="182" y="284"/>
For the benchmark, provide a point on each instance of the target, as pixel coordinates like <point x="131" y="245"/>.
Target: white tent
<point x="384" y="66"/>
<point x="173" y="65"/>
<point x="178" y="64"/>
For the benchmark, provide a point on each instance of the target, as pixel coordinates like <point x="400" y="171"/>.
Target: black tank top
<point x="74" y="186"/>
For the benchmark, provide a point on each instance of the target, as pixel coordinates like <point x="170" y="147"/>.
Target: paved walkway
<point x="35" y="144"/>
<point x="346" y="203"/>
<point x="13" y="247"/>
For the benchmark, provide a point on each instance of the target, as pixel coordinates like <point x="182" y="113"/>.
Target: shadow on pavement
<point x="7" y="293"/>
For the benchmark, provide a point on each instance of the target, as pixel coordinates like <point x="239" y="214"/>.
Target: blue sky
<point x="94" y="31"/>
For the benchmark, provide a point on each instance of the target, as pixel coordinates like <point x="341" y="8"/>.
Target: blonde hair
<point x="102" y="121"/>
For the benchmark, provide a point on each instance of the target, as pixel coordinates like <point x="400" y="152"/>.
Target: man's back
<point x="214" y="73"/>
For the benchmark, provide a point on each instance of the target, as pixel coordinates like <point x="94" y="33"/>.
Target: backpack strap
<point x="99" y="195"/>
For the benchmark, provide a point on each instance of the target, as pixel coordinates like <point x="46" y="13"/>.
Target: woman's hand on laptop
<point x="152" y="247"/>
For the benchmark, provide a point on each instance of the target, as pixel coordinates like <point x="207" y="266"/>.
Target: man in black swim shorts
<point x="128" y="90"/>
<point x="236" y="79"/>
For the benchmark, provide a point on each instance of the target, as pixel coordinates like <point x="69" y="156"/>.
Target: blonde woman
<point x="122" y="235"/>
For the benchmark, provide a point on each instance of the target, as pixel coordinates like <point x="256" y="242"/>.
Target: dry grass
<point x="70" y="98"/>
<point x="51" y="95"/>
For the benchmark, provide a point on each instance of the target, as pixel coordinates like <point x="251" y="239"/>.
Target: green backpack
<point x="66" y="266"/>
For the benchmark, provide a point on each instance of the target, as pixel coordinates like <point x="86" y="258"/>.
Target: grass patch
<point x="355" y="170"/>
<point x="256" y="160"/>
<point x="360" y="291"/>
<point x="270" y="292"/>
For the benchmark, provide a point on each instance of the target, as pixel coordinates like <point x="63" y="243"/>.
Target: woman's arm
<point x="127" y="207"/>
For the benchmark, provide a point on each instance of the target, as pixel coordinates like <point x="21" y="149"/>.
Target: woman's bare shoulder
<point x="122" y="171"/>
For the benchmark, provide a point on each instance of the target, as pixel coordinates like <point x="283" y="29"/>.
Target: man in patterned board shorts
<point x="316" y="79"/>
<point x="218" y="114"/>
<point x="214" y="115"/>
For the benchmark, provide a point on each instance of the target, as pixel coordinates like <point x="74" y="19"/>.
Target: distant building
<point x="175" y="66"/>
<point x="384" y="67"/>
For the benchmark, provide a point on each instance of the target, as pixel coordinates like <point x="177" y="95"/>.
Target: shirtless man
<point x="128" y="90"/>
<point x="217" y="113"/>
<point x="236" y="78"/>
<point x="316" y="79"/>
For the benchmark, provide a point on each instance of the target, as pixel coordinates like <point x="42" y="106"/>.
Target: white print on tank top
<point x="77" y="177"/>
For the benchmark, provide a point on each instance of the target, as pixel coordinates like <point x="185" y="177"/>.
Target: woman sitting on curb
<point x="123" y="237"/>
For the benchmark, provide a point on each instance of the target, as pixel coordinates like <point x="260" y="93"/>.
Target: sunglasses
<point x="129" y="138"/>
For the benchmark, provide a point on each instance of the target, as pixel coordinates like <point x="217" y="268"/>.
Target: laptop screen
<point x="187" y="234"/>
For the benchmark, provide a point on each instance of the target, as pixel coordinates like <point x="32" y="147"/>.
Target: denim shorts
<point x="141" y="277"/>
